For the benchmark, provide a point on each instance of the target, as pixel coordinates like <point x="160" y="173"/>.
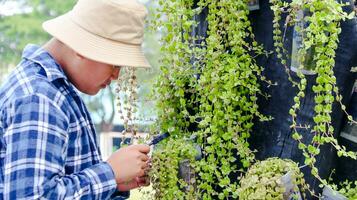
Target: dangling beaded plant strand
<point x="127" y="97"/>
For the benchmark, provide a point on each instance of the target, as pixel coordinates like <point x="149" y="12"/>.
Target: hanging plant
<point x="127" y="99"/>
<point x="175" y="90"/>
<point x="229" y="90"/>
<point x="317" y="27"/>
<point x="166" y="160"/>
<point x="209" y="89"/>
<point x="176" y="83"/>
<point x="273" y="178"/>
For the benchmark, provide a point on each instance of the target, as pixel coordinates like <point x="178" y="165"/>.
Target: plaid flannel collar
<point x="40" y="56"/>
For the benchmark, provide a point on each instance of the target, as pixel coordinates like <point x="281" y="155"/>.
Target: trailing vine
<point x="210" y="90"/>
<point x="127" y="98"/>
<point x="279" y="8"/>
<point x="319" y="28"/>
<point x="228" y="91"/>
<point x="214" y="95"/>
<point x="176" y="83"/>
<point x="176" y="98"/>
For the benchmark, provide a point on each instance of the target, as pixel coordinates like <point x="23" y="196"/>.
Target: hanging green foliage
<point x="210" y="89"/>
<point x="317" y="23"/>
<point x="228" y="92"/>
<point x="211" y="86"/>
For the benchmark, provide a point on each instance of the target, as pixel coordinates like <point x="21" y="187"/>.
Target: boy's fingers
<point x="144" y="157"/>
<point x="143" y="148"/>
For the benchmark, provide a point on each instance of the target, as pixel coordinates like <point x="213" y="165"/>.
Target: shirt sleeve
<point x="36" y="147"/>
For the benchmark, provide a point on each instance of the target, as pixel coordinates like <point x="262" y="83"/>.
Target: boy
<point x="47" y="139"/>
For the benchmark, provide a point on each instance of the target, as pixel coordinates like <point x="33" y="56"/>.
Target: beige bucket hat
<point x="107" y="31"/>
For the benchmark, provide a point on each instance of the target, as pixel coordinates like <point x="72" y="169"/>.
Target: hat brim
<point x="94" y="47"/>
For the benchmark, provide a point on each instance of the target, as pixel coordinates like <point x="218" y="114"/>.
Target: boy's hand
<point x="135" y="183"/>
<point x="130" y="162"/>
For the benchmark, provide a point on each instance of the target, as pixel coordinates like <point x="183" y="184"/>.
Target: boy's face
<point x="90" y="76"/>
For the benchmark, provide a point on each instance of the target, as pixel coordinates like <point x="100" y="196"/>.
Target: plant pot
<point x="289" y="193"/>
<point x="330" y="194"/>
<point x="186" y="172"/>
<point x="309" y="65"/>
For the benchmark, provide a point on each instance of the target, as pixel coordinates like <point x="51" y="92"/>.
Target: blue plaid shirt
<point x="48" y="147"/>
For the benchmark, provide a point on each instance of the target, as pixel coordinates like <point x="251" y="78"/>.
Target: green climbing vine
<point x="176" y="98"/>
<point x="209" y="88"/>
<point x="318" y="24"/>
<point x="176" y="83"/>
<point x="229" y="89"/>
